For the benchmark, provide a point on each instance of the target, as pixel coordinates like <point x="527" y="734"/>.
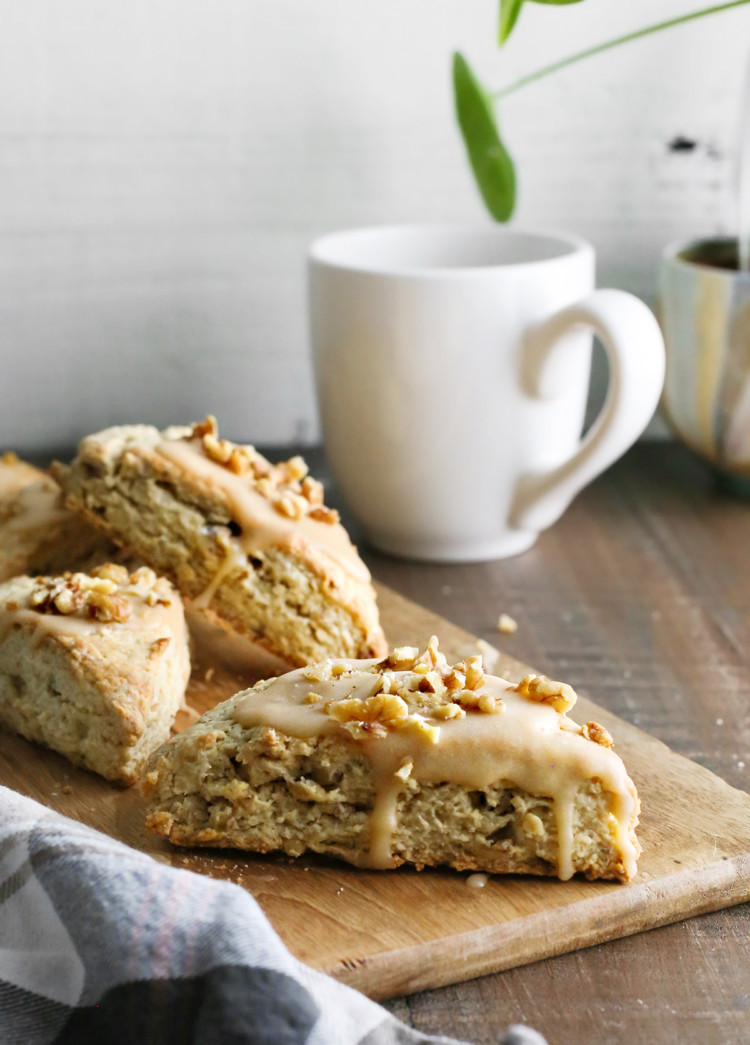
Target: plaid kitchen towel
<point x="102" y="945"/>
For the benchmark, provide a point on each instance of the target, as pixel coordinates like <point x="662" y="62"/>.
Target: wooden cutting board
<point x="396" y="932"/>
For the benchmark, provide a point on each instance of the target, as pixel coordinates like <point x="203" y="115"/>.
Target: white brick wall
<point x="163" y="164"/>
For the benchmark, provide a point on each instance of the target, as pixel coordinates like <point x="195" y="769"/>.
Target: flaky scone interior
<point x="403" y="759"/>
<point x="249" y="542"/>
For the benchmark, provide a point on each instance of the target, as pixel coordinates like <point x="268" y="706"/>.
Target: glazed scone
<point x="93" y="666"/>
<point x="407" y="759"/>
<point x="37" y="533"/>
<point x="248" y="542"/>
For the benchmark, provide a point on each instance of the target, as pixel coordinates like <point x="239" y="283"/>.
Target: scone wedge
<point x="402" y="760"/>
<point x="93" y="666"/>
<point x="38" y="534"/>
<point x="248" y="542"/>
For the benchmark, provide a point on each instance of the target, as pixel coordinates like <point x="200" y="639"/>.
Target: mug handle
<point x="635" y="352"/>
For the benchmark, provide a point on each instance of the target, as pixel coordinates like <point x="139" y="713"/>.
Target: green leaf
<point x="511" y="9"/>
<point x="492" y="166"/>
<point x="509" y="12"/>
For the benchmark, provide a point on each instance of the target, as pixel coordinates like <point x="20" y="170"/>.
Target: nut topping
<point x="599" y="735"/>
<point x="291" y="491"/>
<point x="410" y="691"/>
<point x="542" y="690"/>
<point x="105" y="595"/>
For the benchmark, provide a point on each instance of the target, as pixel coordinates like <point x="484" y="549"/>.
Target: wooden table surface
<point x="640" y="597"/>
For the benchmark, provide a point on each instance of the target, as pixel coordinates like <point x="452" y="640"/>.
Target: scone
<point x="37" y="533"/>
<point x="93" y="666"/>
<point x="248" y="542"/>
<point x="402" y="760"/>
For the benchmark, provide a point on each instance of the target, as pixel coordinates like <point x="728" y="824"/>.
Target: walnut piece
<point x="542" y="690"/>
<point x="599" y="735"/>
<point x="112" y="572"/>
<point x="109" y="608"/>
<point x="324" y="515"/>
<point x="207" y="426"/>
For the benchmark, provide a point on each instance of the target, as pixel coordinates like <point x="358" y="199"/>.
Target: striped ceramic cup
<point x="705" y="306"/>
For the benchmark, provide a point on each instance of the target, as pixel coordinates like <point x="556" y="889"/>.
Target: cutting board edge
<point x="535" y="937"/>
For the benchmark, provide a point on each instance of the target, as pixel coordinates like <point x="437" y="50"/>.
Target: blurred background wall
<point x="164" y="164"/>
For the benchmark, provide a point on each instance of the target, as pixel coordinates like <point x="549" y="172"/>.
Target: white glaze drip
<point x="261" y="526"/>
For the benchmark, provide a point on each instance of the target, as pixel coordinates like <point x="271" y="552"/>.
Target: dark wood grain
<point x="640" y="597"/>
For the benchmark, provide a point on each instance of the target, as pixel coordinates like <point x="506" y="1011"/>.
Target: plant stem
<point x="547" y="70"/>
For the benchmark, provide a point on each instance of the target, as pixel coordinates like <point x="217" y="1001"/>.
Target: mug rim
<point x="674" y="254"/>
<point x="321" y="250"/>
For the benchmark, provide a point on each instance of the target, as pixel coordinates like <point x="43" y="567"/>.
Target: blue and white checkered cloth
<point x="102" y="944"/>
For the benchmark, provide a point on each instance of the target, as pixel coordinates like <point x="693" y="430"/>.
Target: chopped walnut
<point x="455" y="679"/>
<point x="64" y="595"/>
<point x="219" y="450"/>
<point x="424" y="729"/>
<point x="474" y="672"/>
<point x="143" y="577"/>
<point x="293" y="470"/>
<point x="292" y="505"/>
<point x="108" y="608"/>
<point x="238" y="462"/>
<point x="599" y="735"/>
<point x="112" y="572"/>
<point x="318" y="672"/>
<point x="431" y="681"/>
<point x="411" y="691"/>
<point x="490" y="704"/>
<point x="542" y="690"/>
<point x="103" y="595"/>
<point x="432" y="657"/>
<point x="265" y="487"/>
<point x="312" y="490"/>
<point x="448" y="711"/>
<point x="385" y="709"/>
<point x="207" y="426"/>
<point x="324" y="515"/>
<point x="485" y="702"/>
<point x="291" y="491"/>
<point x="401" y="658"/>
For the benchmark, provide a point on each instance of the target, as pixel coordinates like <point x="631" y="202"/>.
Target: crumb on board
<point x="507" y="624"/>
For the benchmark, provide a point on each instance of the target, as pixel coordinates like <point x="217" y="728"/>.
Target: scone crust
<point x="104" y="698"/>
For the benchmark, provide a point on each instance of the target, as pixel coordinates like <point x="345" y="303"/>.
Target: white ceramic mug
<point x="452" y="368"/>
